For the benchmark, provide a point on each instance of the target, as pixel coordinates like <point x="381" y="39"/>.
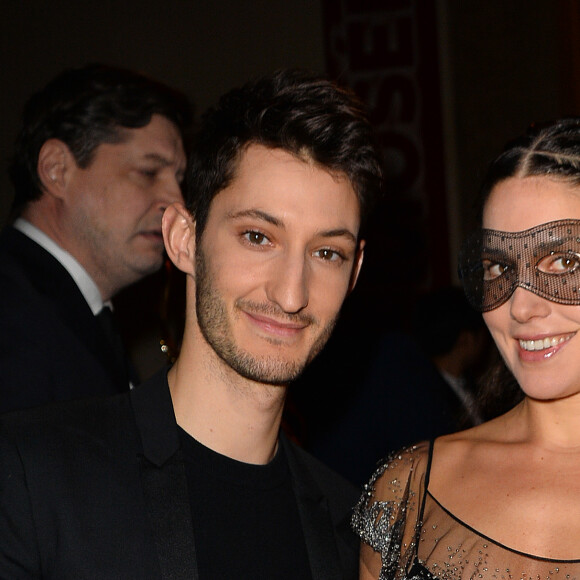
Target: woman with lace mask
<point x="501" y="501"/>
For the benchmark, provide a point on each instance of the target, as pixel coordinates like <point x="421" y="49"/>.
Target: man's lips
<point x="156" y="235"/>
<point x="273" y="326"/>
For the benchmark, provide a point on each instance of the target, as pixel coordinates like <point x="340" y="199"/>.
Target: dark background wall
<point x="202" y="47"/>
<point x="501" y="64"/>
<point x="489" y="69"/>
<point x="506" y="64"/>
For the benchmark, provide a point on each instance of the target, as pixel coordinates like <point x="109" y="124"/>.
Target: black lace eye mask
<point x="544" y="260"/>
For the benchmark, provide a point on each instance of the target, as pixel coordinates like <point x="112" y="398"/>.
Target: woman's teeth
<point x="544" y="343"/>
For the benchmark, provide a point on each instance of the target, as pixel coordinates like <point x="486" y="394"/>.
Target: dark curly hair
<point x="549" y="149"/>
<point x="85" y="107"/>
<point x="293" y="110"/>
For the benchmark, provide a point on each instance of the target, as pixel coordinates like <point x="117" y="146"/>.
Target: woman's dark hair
<point x="292" y="110"/>
<point x="85" y="107"/>
<point x="550" y="149"/>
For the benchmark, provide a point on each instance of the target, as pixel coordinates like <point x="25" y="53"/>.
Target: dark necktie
<point x="107" y="322"/>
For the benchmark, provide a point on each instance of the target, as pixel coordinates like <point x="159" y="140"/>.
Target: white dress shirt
<point x="81" y="277"/>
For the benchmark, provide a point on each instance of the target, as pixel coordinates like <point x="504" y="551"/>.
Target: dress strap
<point x="426" y="486"/>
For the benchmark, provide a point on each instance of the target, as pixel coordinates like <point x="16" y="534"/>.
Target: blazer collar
<point x="155" y="418"/>
<point x="163" y="479"/>
<point x="326" y="534"/>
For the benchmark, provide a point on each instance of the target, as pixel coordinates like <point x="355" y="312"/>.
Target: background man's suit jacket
<point x="51" y="346"/>
<point x="97" y="489"/>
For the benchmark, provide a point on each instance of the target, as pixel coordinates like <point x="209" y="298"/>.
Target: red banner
<point x="387" y="52"/>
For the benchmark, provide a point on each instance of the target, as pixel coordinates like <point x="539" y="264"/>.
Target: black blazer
<point x="51" y="346"/>
<point x="97" y="489"/>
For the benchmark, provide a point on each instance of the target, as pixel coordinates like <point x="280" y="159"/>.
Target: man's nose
<point x="167" y="192"/>
<point x="288" y="283"/>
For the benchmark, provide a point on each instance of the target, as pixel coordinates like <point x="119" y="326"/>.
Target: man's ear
<point x="358" y="260"/>
<point x="54" y="160"/>
<point x="179" y="237"/>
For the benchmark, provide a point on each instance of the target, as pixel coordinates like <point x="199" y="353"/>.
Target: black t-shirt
<point x="245" y="517"/>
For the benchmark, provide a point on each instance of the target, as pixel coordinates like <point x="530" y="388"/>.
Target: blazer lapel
<point x="166" y="495"/>
<point x="164" y="480"/>
<point x="56" y="286"/>
<point x="319" y="529"/>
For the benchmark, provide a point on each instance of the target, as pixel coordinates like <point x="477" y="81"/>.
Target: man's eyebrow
<point x="163" y="161"/>
<point x="158" y="158"/>
<point x="258" y="214"/>
<point x="262" y="215"/>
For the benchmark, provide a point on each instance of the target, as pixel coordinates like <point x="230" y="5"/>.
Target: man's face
<point x="278" y="255"/>
<point x="114" y="206"/>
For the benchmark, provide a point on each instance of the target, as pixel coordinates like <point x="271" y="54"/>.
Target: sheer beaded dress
<point x="419" y="539"/>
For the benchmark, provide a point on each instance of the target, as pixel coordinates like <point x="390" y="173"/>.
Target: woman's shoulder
<point x="399" y="468"/>
<point x="455" y="455"/>
<point x="389" y="508"/>
<point x="465" y="444"/>
<point x="398" y="481"/>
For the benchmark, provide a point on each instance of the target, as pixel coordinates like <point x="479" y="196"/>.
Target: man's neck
<point x="82" y="278"/>
<point x="229" y="414"/>
<point x="44" y="217"/>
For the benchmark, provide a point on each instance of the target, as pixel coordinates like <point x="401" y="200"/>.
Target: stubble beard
<point x="212" y="318"/>
<point x="119" y="266"/>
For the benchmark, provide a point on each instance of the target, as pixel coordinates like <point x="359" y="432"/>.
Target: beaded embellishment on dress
<point x="417" y="538"/>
